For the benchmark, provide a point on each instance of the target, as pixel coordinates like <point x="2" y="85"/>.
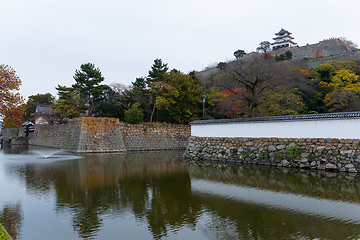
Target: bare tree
<point x="256" y="75"/>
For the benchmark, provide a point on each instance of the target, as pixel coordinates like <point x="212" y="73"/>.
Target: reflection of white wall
<point x="329" y="128"/>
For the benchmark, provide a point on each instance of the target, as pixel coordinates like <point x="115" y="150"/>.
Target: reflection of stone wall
<point x="314" y="153"/>
<point x="108" y="135"/>
<point x="317" y="184"/>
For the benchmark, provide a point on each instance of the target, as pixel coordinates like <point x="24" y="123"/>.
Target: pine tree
<point x="88" y="80"/>
<point x="158" y="71"/>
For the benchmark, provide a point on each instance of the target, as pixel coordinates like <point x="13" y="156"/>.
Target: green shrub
<point x="233" y="151"/>
<point x="134" y="115"/>
<point x="293" y="151"/>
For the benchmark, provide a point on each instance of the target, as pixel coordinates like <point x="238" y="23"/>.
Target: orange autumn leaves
<point x="10" y="99"/>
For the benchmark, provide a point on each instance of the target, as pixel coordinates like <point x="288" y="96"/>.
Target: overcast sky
<point x="45" y="41"/>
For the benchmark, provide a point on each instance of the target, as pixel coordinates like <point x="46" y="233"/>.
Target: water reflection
<point x="154" y="186"/>
<point x="14" y="149"/>
<point x="315" y="184"/>
<point x="168" y="195"/>
<point x="11" y="217"/>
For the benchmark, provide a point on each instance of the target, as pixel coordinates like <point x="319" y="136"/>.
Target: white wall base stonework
<point x="318" y="141"/>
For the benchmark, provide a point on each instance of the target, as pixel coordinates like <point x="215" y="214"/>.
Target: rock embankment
<point x="314" y="153"/>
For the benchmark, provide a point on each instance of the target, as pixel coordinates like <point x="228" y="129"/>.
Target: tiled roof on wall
<point x="283" y="118"/>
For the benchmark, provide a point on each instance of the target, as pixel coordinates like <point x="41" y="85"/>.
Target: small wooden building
<point x="44" y="115"/>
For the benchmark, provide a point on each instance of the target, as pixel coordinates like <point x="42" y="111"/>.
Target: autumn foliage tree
<point x="256" y="76"/>
<point x="14" y="117"/>
<point x="232" y="104"/>
<point x="345" y="91"/>
<point x="10" y="99"/>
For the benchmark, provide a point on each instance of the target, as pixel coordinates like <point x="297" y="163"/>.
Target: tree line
<point x="259" y="85"/>
<point x="162" y="96"/>
<point x="264" y="86"/>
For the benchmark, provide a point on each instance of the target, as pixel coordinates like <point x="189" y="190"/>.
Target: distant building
<point x="44" y="115"/>
<point x="283" y="39"/>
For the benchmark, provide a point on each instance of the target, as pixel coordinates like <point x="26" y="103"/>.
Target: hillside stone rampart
<point x="327" y="48"/>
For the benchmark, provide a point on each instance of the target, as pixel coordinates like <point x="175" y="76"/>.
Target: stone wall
<point x="13" y="136"/>
<point x="313" y="153"/>
<point x="81" y="135"/>
<point x="10" y="133"/>
<point x="350" y="56"/>
<point x="328" y="48"/>
<point x="100" y="135"/>
<point x="155" y="137"/>
<point x="64" y="136"/>
<point x="108" y="135"/>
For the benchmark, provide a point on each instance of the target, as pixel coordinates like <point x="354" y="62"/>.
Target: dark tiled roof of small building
<point x="44" y="109"/>
<point x="283" y="118"/>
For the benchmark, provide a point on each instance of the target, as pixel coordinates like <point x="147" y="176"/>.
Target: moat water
<point x="50" y="194"/>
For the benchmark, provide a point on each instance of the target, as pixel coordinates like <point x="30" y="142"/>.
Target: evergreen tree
<point x="239" y="53"/>
<point x="158" y="71"/>
<point x="88" y="80"/>
<point x="134" y="115"/>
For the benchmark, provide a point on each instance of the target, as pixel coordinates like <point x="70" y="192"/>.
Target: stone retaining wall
<point x="155" y="137"/>
<point x="13" y="136"/>
<point x="90" y="134"/>
<point x="64" y="136"/>
<point x="314" y="153"/>
<point x="329" y="48"/>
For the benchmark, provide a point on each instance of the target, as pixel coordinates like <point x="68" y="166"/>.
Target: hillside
<point x="308" y="56"/>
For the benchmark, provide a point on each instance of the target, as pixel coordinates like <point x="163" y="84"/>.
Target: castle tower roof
<point x="282" y="32"/>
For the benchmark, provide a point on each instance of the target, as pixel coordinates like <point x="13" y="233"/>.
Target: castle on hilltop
<point x="283" y="39"/>
<point x="308" y="56"/>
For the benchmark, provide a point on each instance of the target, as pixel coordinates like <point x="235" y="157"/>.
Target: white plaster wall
<point x="330" y="128"/>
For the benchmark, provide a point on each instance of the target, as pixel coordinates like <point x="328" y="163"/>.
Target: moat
<point x="51" y="194"/>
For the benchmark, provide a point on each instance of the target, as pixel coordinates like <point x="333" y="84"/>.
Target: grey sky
<point x="46" y="40"/>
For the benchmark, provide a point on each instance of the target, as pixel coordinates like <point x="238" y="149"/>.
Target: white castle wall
<point x="320" y="128"/>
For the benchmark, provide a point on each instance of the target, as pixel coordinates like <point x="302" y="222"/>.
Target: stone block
<point x="271" y="148"/>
